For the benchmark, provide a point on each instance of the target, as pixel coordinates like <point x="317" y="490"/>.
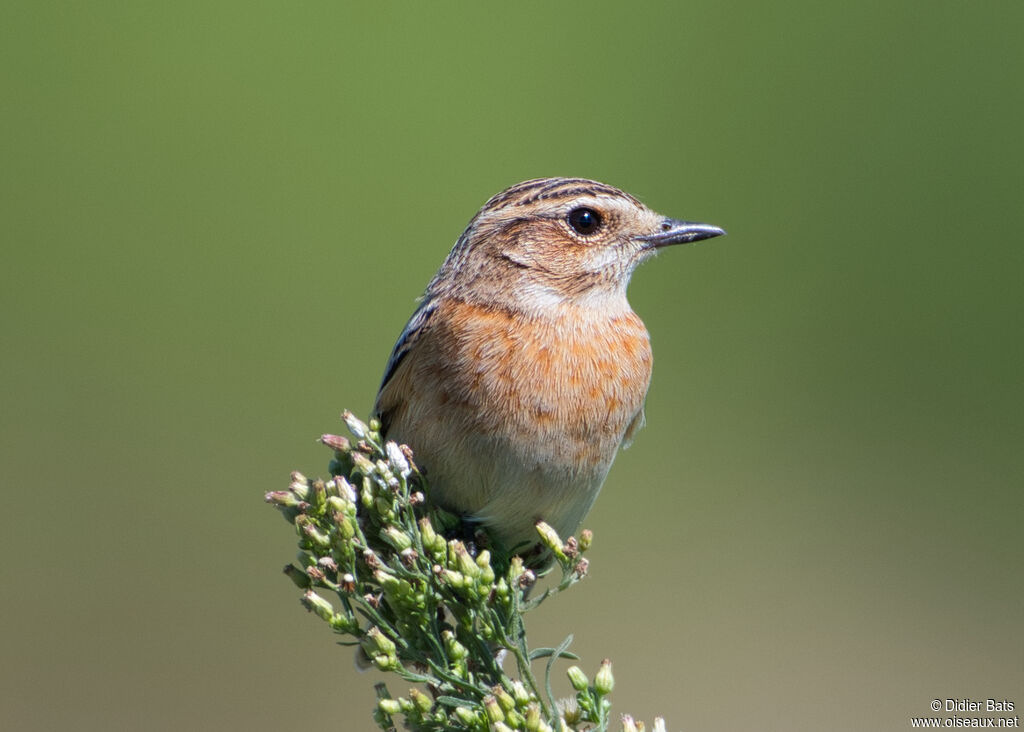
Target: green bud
<point x="316" y="604"/>
<point x="346" y="527"/>
<point x="466" y="716"/>
<point x="338" y="505"/>
<point x="375" y="643"/>
<point x="427" y="533"/>
<point x="282" y="499"/>
<point x="308" y="528"/>
<point x="384" y="507"/>
<point x="604" y="682"/>
<point x="577" y="678"/>
<point x="342" y="624"/>
<point x="397" y="538"/>
<point x="463" y="560"/>
<point x="522" y="696"/>
<point x="363" y="464"/>
<point x="501" y="727"/>
<point x="483" y="561"/>
<point x="318" y="498"/>
<point x="389" y="706"/>
<point x="385" y="662"/>
<point x="586" y="539"/>
<point x="533" y="720"/>
<point x="515" y="569"/>
<point x="493" y="709"/>
<point x="551" y="539"/>
<point x="502" y="589"/>
<point x="504" y="698"/>
<point x="456" y="579"/>
<point x="456" y="651"/>
<point x="384" y="471"/>
<point x="299" y="485"/>
<point x="392" y="584"/>
<point x="421" y="701"/>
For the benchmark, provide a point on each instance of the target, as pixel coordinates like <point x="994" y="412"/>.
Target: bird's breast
<point x="576" y="376"/>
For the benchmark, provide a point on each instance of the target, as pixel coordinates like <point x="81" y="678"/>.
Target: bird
<point x="524" y="369"/>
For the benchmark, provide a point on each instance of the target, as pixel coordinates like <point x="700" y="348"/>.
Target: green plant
<point x="375" y="564"/>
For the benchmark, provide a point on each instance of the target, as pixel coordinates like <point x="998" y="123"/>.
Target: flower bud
<point x="391" y="584"/>
<point x="586" y="539"/>
<point x="504" y="698"/>
<point x="493" y="709"/>
<point x="346" y="491"/>
<point x="356" y="426"/>
<point x="483" y="561"/>
<point x="533" y="719"/>
<point x="299" y="485"/>
<point x="456" y="650"/>
<point x="577" y="678"/>
<point x="659" y="724"/>
<point x="463" y="560"/>
<point x="336" y="442"/>
<point x="604" y="682"/>
<point x="346" y="527"/>
<point x="344" y="624"/>
<point x="456" y="579"/>
<point x="309" y="529"/>
<point x="570" y="712"/>
<point x="466" y="716"/>
<point x="422" y="702"/>
<point x="628" y="725"/>
<point x="394" y="536"/>
<point x="319" y="496"/>
<point x="396" y="459"/>
<point x="363" y="464"/>
<point x="389" y="706"/>
<point x="283" y="499"/>
<point x="375" y="642"/>
<point x="522" y="696"/>
<point x="551" y="539"/>
<point x="316" y="604"/>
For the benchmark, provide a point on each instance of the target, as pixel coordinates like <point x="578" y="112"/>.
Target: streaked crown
<point x="553" y="239"/>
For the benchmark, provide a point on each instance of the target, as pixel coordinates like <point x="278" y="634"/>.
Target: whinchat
<point x="524" y="369"/>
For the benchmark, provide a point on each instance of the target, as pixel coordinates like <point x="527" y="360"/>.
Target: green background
<point x="216" y="218"/>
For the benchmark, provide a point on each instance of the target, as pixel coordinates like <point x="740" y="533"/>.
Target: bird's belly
<point x="521" y="423"/>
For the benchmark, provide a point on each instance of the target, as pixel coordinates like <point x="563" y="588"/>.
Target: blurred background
<point x="216" y="218"/>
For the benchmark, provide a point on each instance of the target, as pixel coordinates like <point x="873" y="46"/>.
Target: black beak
<point x="674" y="231"/>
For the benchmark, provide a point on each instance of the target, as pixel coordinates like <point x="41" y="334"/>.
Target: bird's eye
<point x="585" y="220"/>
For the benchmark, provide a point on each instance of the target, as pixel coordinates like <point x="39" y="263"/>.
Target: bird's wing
<point x="388" y="399"/>
<point x="634" y="426"/>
